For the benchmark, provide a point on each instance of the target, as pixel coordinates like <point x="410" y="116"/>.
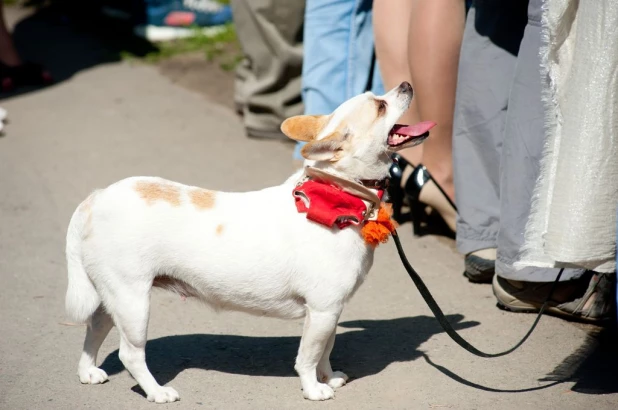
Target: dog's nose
<point x="405" y="87"/>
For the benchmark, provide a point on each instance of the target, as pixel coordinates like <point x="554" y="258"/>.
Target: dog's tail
<point x="82" y="298"/>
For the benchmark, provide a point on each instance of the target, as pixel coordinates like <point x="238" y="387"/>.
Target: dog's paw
<point x="319" y="391"/>
<point x="164" y="395"/>
<point x="92" y="375"/>
<point x="337" y="380"/>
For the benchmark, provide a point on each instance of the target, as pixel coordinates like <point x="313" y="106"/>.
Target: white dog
<point x="257" y="252"/>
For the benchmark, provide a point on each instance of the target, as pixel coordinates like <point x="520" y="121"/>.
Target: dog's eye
<point x="381" y="104"/>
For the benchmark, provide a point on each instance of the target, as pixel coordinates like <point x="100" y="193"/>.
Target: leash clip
<point x="371" y="214"/>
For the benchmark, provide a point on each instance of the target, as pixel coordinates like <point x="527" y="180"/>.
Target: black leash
<point x="444" y="322"/>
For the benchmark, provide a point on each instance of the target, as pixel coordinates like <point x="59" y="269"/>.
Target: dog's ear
<point x="304" y="127"/>
<point x="326" y="149"/>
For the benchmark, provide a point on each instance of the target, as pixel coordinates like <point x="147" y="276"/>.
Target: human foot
<point x="589" y="299"/>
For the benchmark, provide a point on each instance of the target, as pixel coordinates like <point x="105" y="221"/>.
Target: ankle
<point x="445" y="180"/>
<point x="447" y="186"/>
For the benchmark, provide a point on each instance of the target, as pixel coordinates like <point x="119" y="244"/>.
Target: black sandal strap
<point x="415" y="183"/>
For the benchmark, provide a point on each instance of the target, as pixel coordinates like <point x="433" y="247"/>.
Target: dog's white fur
<point x="251" y="252"/>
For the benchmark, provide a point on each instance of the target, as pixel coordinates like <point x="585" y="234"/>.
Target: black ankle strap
<point x="417" y="180"/>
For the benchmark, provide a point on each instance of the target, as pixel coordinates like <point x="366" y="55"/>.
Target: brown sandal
<point x="597" y="303"/>
<point x="570" y="301"/>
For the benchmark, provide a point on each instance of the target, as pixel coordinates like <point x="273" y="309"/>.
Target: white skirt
<point x="573" y="217"/>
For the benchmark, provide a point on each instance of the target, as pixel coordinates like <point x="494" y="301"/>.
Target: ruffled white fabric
<point x="573" y="216"/>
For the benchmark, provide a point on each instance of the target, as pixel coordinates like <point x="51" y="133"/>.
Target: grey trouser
<point x="498" y="133"/>
<point x="268" y="79"/>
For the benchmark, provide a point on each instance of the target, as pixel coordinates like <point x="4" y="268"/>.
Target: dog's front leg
<point x="325" y="372"/>
<point x="317" y="332"/>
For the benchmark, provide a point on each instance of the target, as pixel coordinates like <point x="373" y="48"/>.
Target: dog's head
<point x="356" y="139"/>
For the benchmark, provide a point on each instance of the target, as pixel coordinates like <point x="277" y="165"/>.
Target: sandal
<point x="597" y="303"/>
<point x="28" y="73"/>
<point x="430" y="209"/>
<point x="569" y="301"/>
<point x="395" y="190"/>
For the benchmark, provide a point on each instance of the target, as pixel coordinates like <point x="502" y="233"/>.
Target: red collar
<point x="328" y="203"/>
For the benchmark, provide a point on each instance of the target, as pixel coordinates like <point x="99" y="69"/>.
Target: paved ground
<point x="113" y="120"/>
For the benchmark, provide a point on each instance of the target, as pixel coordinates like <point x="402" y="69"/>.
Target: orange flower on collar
<point x="378" y="231"/>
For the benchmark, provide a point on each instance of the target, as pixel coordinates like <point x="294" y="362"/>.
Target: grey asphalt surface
<point x="117" y="120"/>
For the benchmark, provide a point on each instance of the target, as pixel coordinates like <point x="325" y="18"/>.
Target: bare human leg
<point x="8" y="53"/>
<point x="391" y="21"/>
<point x="434" y="39"/>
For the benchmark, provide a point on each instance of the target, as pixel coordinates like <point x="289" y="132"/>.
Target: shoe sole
<point x="478" y="277"/>
<point x="553" y="311"/>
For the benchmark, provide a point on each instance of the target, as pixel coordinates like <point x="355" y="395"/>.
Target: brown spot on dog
<point x="152" y="192"/>
<point x="304" y="127"/>
<point x="178" y="286"/>
<point x="219" y="229"/>
<point x="87" y="231"/>
<point x="202" y="198"/>
<point x="85" y="208"/>
<point x="325" y="149"/>
<point x="381" y="107"/>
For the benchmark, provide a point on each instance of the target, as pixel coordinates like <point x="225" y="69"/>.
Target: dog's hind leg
<point x="317" y="333"/>
<point x="131" y="312"/>
<point x="325" y="372"/>
<point x="98" y="327"/>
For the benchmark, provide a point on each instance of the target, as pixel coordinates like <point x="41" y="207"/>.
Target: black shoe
<point x="479" y="269"/>
<point x="433" y="213"/>
<point x="395" y="191"/>
<point x="427" y="197"/>
<point x="25" y="74"/>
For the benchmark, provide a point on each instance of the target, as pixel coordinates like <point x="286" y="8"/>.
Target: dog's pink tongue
<point x="413" y="130"/>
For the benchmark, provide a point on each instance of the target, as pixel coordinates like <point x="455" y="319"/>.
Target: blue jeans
<point x="338" y="55"/>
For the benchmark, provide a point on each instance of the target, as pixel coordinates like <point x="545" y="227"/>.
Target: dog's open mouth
<point x="403" y="136"/>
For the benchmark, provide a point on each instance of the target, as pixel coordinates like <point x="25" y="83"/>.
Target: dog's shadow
<point x="367" y="350"/>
